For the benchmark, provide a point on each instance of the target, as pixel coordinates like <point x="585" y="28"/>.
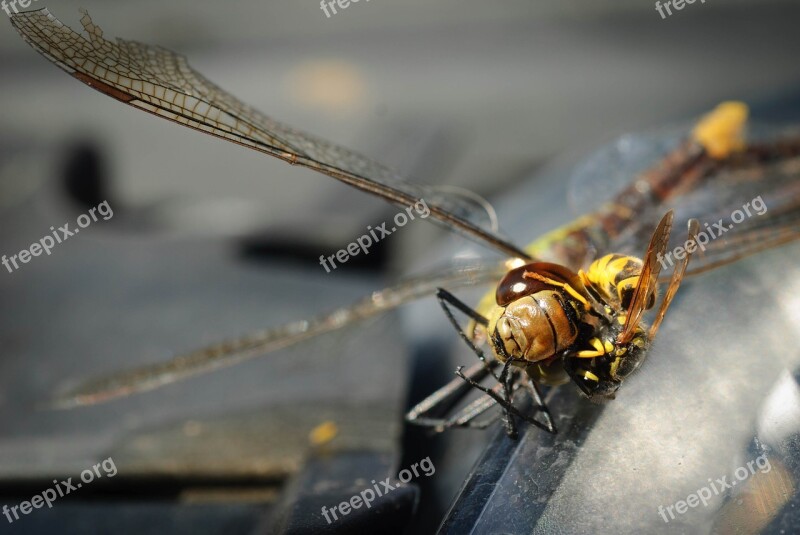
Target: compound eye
<point x="628" y="364"/>
<point x="626" y="296"/>
<point x="587" y="382"/>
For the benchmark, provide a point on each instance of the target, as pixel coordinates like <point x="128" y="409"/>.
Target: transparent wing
<point x="648" y="280"/>
<point x="675" y="282"/>
<point x="608" y="170"/>
<point x="161" y="82"/>
<point x="748" y="208"/>
<point x="754" y="194"/>
<point x="236" y="350"/>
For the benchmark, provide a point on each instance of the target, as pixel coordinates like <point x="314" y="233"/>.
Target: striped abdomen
<point x="614" y="277"/>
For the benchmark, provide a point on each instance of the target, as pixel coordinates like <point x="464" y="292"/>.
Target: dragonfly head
<point x="533" y="328"/>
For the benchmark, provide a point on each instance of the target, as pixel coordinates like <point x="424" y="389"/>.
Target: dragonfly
<point x="707" y="175"/>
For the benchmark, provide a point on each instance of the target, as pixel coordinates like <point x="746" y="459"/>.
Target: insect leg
<point x="536" y="394"/>
<point x="447" y="300"/>
<point x="466" y="416"/>
<point x="539" y="403"/>
<point x="507" y="406"/>
<point x="506" y="380"/>
<point x="428" y="411"/>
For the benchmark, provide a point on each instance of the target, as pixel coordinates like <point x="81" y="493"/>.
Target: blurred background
<point x="210" y="240"/>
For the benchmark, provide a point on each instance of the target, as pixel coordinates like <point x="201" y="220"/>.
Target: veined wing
<point x="648" y="279"/>
<point x="236" y="350"/>
<point x="751" y="205"/>
<point x="161" y="82"/>
<point x="753" y="193"/>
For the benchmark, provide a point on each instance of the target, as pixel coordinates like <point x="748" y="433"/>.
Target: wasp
<point x="555" y="325"/>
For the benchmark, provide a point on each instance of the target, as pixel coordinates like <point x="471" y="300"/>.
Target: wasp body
<point x="561" y="325"/>
<point x="548" y="324"/>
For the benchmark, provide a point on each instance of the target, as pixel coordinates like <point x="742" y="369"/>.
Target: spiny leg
<point x="426" y="412"/>
<point x="446" y="300"/>
<point x="506" y="379"/>
<point x="511" y="425"/>
<point x="507" y="407"/>
<point x="450" y="394"/>
<point x="539" y="403"/>
<point x="536" y="394"/>
<point x="466" y="416"/>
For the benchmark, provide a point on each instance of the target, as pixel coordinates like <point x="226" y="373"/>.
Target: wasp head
<point x="600" y="377"/>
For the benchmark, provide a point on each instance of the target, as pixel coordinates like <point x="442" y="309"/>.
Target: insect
<point x="558" y="325"/>
<point x="594" y="335"/>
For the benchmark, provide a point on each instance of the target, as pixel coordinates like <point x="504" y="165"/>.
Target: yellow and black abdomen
<point x="615" y="277"/>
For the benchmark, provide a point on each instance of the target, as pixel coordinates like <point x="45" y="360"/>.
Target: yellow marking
<point x="589" y="354"/>
<point x="614" y="366"/>
<point x="323" y="433"/>
<point x="589" y="375"/>
<point x="621" y="319"/>
<point x="602" y="264"/>
<point x="572" y="291"/>
<point x="630" y="282"/>
<point x="608" y="346"/>
<point x="598" y="271"/>
<point x="604" y="271"/>
<point x="721" y="131"/>
<point x="620" y="263"/>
